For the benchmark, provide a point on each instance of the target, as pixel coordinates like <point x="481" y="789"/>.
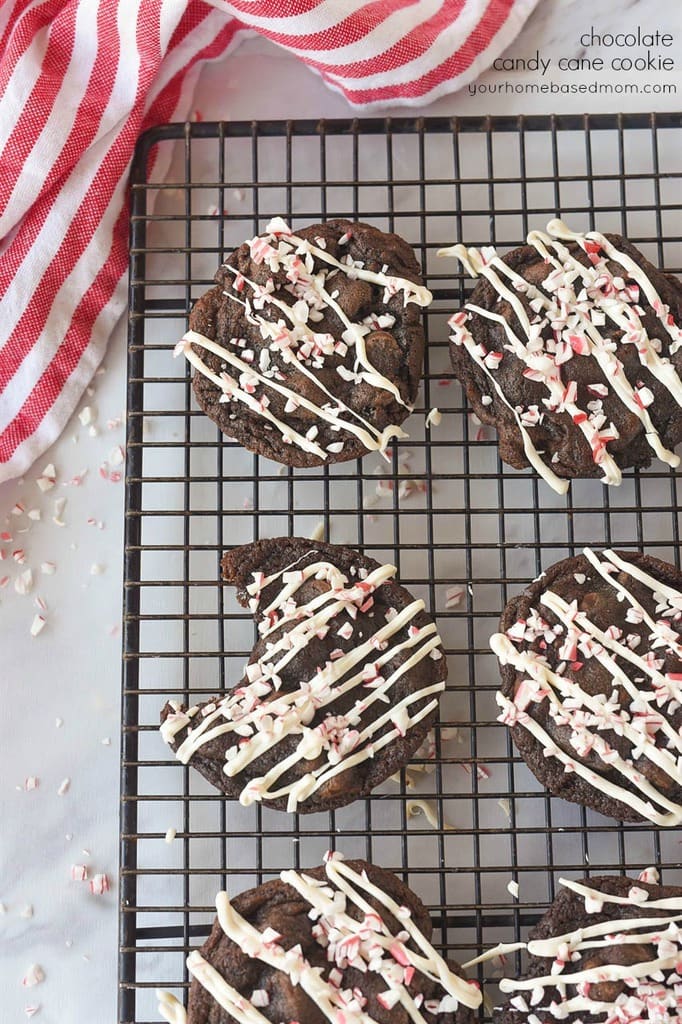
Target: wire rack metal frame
<point x="450" y="515"/>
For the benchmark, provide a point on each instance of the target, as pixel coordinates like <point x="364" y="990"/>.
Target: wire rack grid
<point x="446" y="512"/>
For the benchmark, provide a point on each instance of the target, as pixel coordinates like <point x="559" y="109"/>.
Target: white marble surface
<point x="72" y="670"/>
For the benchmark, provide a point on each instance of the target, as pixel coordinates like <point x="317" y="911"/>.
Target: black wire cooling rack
<point x="444" y="510"/>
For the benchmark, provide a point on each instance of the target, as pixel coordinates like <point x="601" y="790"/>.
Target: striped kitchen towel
<point x="79" y="81"/>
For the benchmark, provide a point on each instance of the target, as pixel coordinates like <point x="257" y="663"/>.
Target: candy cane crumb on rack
<point x="394" y="957"/>
<point x="293" y="340"/>
<point x="642" y="714"/>
<point x="575" y="302"/>
<point x="258" y="717"/>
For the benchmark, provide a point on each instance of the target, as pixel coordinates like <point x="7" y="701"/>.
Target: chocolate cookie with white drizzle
<point x="341" y="688"/>
<point x="591" y="657"/>
<point x="347" y="943"/>
<point x="607" y="951"/>
<point x="309" y="349"/>
<point x="571" y="346"/>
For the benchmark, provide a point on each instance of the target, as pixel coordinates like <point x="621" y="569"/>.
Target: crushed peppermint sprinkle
<point x="64" y="787"/>
<point x="38" y="625"/>
<point x="453" y="597"/>
<point x="34" y="976"/>
<point x="99" y="884"/>
<point x="47" y="479"/>
<point x="643" y="766"/>
<point x="513" y="889"/>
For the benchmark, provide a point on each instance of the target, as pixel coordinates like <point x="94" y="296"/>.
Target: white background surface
<point x="72" y="670"/>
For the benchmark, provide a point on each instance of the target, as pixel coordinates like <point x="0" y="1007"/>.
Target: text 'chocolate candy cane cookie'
<point x="571" y="346"/>
<point x="608" y="951"/>
<point x="346" y="942"/>
<point x="341" y="688"/>
<point x="591" y="657"/>
<point x="309" y="349"/>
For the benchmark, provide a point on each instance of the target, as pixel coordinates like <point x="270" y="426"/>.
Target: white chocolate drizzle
<point x="640" y="706"/>
<point x="170" y="1008"/>
<point x="366" y="944"/>
<point x="294" y="343"/>
<point x="650" y="990"/>
<point x="258" y="715"/>
<point x="575" y="302"/>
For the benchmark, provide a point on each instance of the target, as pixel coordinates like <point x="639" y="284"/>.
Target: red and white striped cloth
<point x="79" y="81"/>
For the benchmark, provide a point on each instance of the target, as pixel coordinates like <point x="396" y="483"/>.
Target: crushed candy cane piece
<point x="170" y="835"/>
<point x="38" y="625"/>
<point x="48" y="568"/>
<point x="453" y="596"/>
<point x="99" y="884"/>
<point x="34" y="976"/>
<point x="117" y="456"/>
<point x="513" y="889"/>
<point x="23" y="584"/>
<point x="32" y="1010"/>
<point x="26" y="911"/>
<point x="64" y="787"/>
<point x="47" y="479"/>
<point x="86" y="415"/>
<point x="59" y="506"/>
<point x="31" y="782"/>
<point x="79" y="872"/>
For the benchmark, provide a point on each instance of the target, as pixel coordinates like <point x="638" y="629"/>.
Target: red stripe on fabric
<point x="408" y="47"/>
<point x="17" y="12"/>
<point x="490" y="23"/>
<point x="82" y="227"/>
<point x="50" y="385"/>
<point x="39" y="103"/>
<point x="84" y="129"/>
<point x="165" y="104"/>
<point x="351" y="30"/>
<point x="264" y="8"/>
<point x="196" y="12"/>
<point x="20" y="39"/>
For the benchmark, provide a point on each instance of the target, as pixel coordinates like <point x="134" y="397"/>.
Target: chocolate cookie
<point x="340" y="690"/>
<point x="619" y="939"/>
<point x="309" y="349"/>
<point x="571" y="347"/>
<point x="345" y="942"/>
<point x="591" y="657"/>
